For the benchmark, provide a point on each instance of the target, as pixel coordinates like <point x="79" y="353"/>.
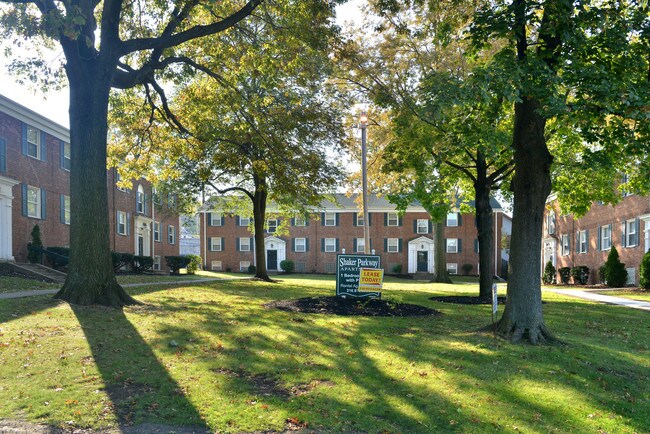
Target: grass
<point x="634" y="294"/>
<point x="10" y="284"/>
<point x="209" y="355"/>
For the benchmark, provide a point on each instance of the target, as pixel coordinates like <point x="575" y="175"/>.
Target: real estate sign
<point x="348" y="272"/>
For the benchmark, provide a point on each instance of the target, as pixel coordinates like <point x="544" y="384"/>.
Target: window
<point x="215" y="244"/>
<point x="330" y="267"/>
<point x="300" y="245"/>
<point x="582" y="240"/>
<point x="631" y="233"/>
<point x="215" y="219"/>
<point x="392" y="245"/>
<point x="244" y="244"/>
<point x="452" y="245"/>
<point x="33" y="142"/>
<point x="3" y="155"/>
<point x="118" y="180"/>
<point x="156" y="232"/>
<point x="392" y="219"/>
<point x="216" y="265"/>
<point x="300" y="221"/>
<point x="65" y="209"/>
<point x="330" y="245"/>
<point x="155" y="196"/>
<point x="156" y="263"/>
<point x="271" y="225"/>
<point x="65" y="156"/>
<point x="244" y="221"/>
<point x="171" y="234"/>
<point x="605" y="237"/>
<point x="360" y="245"/>
<point x="330" y="219"/>
<point x="565" y="245"/>
<point x="121" y="222"/>
<point x="550" y="223"/>
<point x="301" y="267"/>
<point x="139" y="200"/>
<point x="452" y="219"/>
<point x="422" y="226"/>
<point x="359" y="217"/>
<point x="33" y="202"/>
<point x="452" y="268"/>
<point x="624" y="180"/>
<point x="243" y="265"/>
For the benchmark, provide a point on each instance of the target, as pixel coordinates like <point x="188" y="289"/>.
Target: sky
<point x="54" y="104"/>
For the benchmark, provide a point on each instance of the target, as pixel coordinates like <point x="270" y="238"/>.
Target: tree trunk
<point x="440" y="275"/>
<point x="90" y="278"/>
<point x="259" y="218"/>
<point x="485" y="229"/>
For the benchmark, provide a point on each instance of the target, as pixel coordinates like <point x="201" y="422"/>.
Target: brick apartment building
<point x="571" y="242"/>
<point x="34" y="189"/>
<point x="227" y="242"/>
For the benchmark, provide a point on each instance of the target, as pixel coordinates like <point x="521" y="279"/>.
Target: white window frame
<point x="300" y="245"/>
<point x="156" y="232"/>
<point x="243" y="265"/>
<point x="271" y="226"/>
<point x="330" y="219"/>
<point x="452" y="219"/>
<point x="216" y="219"/>
<point x="215" y="244"/>
<point x="565" y="241"/>
<point x="392" y="245"/>
<point x="66" y="156"/>
<point x="330" y="245"/>
<point x="422" y="226"/>
<point x="392" y="219"/>
<point x="171" y="234"/>
<point x="121" y="222"/>
<point x="361" y="243"/>
<point x="139" y="199"/>
<point x="216" y="265"/>
<point x="452" y="245"/>
<point x="156" y="263"/>
<point x="118" y="178"/>
<point x="300" y="221"/>
<point x="452" y="268"/>
<point x="360" y="220"/>
<point x="607" y="229"/>
<point x="33" y="202"/>
<point x="630" y="231"/>
<point x="244" y="244"/>
<point x="30" y="144"/>
<point x="582" y="241"/>
<point x="244" y="221"/>
<point x="66" y="209"/>
<point x="550" y="223"/>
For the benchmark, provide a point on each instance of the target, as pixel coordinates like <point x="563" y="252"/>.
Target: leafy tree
<point x="257" y="124"/>
<point x="109" y="44"/>
<point x="582" y="76"/>
<point x="644" y="271"/>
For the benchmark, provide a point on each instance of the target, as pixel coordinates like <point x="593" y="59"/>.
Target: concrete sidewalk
<point x="126" y="285"/>
<point x="620" y="301"/>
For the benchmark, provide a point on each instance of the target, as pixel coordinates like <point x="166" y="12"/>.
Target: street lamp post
<point x="363" y="120"/>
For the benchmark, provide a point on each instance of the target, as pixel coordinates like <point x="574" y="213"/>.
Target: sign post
<point x="495" y="307"/>
<point x="348" y="276"/>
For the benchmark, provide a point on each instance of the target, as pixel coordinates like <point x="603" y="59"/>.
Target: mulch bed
<point x="9" y="273"/>
<point x="467" y="299"/>
<point x="351" y="306"/>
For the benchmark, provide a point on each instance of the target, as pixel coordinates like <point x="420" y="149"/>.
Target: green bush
<point x="601" y="274"/>
<point x="121" y="259"/>
<point x="175" y="263"/>
<point x="580" y="274"/>
<point x="644" y="271"/>
<point x="287" y="266"/>
<point x="140" y="264"/>
<point x="33" y="249"/>
<point x="58" y="257"/>
<point x="550" y="276"/>
<point x="194" y="264"/>
<point x="565" y="274"/>
<point x="615" y="272"/>
<point x="252" y="269"/>
<point x="467" y="268"/>
<point x="397" y="268"/>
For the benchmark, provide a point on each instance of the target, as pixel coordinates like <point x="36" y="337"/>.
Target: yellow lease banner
<point x="371" y="278"/>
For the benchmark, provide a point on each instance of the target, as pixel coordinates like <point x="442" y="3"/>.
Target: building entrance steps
<point x="40" y="272"/>
<point x="620" y="301"/>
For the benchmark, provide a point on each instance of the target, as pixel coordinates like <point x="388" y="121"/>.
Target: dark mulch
<point x="11" y="273"/>
<point x="351" y="306"/>
<point x="467" y="299"/>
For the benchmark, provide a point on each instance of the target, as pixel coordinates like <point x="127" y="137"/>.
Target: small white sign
<point x="495" y="299"/>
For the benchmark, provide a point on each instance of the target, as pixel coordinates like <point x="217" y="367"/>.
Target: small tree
<point x="549" y="274"/>
<point x="580" y="274"/>
<point x="194" y="264"/>
<point x="615" y="272"/>
<point x="644" y="271"/>
<point x="34" y="254"/>
<point x="565" y="273"/>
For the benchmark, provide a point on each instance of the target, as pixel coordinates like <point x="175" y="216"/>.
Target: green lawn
<point x="209" y="355"/>
<point x="634" y="294"/>
<point x="10" y="284"/>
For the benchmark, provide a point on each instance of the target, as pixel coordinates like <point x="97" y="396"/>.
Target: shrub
<point x="175" y="263"/>
<point x="644" y="271"/>
<point x="580" y="274"/>
<point x="287" y="266"/>
<point x="550" y="276"/>
<point x="615" y="272"/>
<point x="34" y="254"/>
<point x="140" y="264"/>
<point x="397" y="268"/>
<point x="58" y="256"/>
<point x="601" y="274"/>
<point x="194" y="264"/>
<point x="467" y="268"/>
<point x="121" y="260"/>
<point x="252" y="269"/>
<point x="565" y="273"/>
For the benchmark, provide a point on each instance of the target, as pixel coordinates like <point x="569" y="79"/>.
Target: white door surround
<point x="6" y="227"/>
<point x="277" y="244"/>
<point x="421" y="244"/>
<point x="549" y="249"/>
<point x="142" y="226"/>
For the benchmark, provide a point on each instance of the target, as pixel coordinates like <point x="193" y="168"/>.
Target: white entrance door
<point x="6" y="228"/>
<point x="275" y="250"/>
<point x="142" y="245"/>
<point x="549" y="252"/>
<point x="420" y="257"/>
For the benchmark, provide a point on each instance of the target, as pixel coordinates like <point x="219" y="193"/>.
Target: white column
<point x="6" y="227"/>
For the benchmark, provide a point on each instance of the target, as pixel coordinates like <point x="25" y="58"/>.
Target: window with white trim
<point x="33" y="202"/>
<point x="139" y="199"/>
<point x="300" y="244"/>
<point x="121" y="222"/>
<point x="392" y="245"/>
<point x="550" y="223"/>
<point x="156" y="232"/>
<point x="452" y="219"/>
<point x="606" y="237"/>
<point x="423" y="226"/>
<point x="452" y="268"/>
<point x="243" y="265"/>
<point x="33" y="142"/>
<point x="330" y="219"/>
<point x="156" y="263"/>
<point x="300" y="221"/>
<point x="582" y="241"/>
<point x="171" y="234"/>
<point x="216" y="219"/>
<point x="65" y="211"/>
<point x="452" y="245"/>
<point x="565" y="246"/>
<point x="392" y="219"/>
<point x="118" y="181"/>
<point x="631" y="234"/>
<point x="271" y="225"/>
<point x="330" y="244"/>
<point x="244" y="244"/>
<point x="244" y="221"/>
<point x="65" y="156"/>
<point x="216" y="265"/>
<point x="360" y="221"/>
<point x="361" y="244"/>
<point x="215" y="244"/>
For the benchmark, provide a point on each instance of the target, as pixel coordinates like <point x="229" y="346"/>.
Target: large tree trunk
<point x="485" y="229"/>
<point x="259" y="218"/>
<point x="90" y="278"/>
<point x="440" y="272"/>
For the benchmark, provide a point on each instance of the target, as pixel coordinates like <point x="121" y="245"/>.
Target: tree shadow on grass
<point x="140" y="388"/>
